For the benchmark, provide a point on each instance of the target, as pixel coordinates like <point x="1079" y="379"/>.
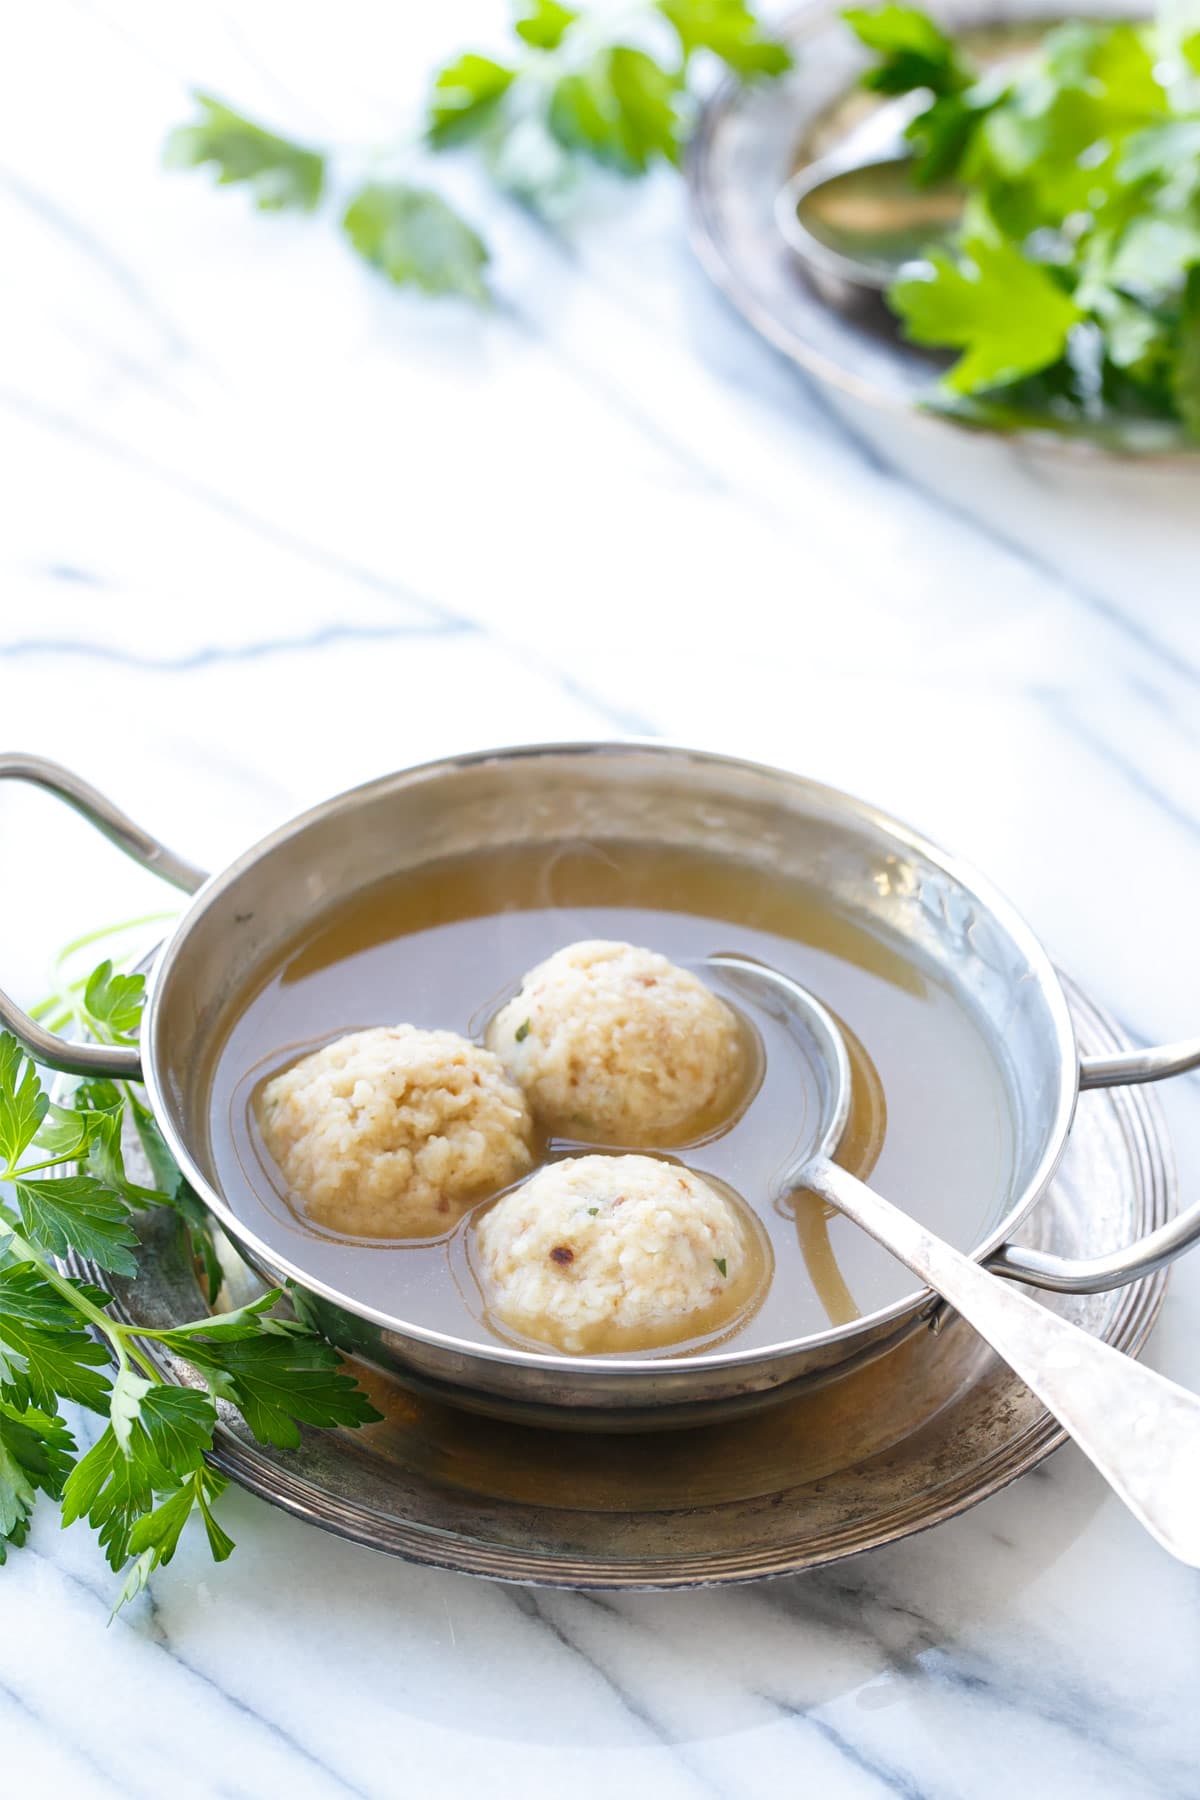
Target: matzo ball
<point x="617" y="1045"/>
<point x="394" y="1132"/>
<point x="617" y="1253"/>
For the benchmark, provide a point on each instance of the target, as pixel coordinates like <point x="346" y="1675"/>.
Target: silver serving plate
<point x="752" y="141"/>
<point x="893" y="1447"/>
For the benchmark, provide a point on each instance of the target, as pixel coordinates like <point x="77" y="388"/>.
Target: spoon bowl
<point x="855" y="216"/>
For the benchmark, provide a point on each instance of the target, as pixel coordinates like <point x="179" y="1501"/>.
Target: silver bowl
<point x="932" y="908"/>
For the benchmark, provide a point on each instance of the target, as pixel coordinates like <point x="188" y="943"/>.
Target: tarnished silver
<point x="902" y="1443"/>
<point x="1141" y="1431"/>
<point x="936" y="913"/>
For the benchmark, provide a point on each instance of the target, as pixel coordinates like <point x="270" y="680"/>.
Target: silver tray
<point x="751" y="139"/>
<point x="886" y="1450"/>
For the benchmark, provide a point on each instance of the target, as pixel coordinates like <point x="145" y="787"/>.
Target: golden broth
<point x="445" y="945"/>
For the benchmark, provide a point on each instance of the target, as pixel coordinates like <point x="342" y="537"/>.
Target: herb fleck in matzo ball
<point x="394" y="1132"/>
<point x="616" y="1253"/>
<point x="617" y="1045"/>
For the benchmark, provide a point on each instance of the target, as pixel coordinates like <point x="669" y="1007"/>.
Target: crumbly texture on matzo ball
<point x="617" y="1045"/>
<point x="394" y="1132"/>
<point x="599" y="1254"/>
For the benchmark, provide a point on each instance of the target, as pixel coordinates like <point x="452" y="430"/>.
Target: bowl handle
<point x="1096" y="1274"/>
<point x="1154" y="1064"/>
<point x="118" y="1062"/>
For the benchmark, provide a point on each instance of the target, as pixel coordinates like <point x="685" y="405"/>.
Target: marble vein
<point x="1107" y="753"/>
<point x="884" y="1777"/>
<point x="534" y="1606"/>
<point x="889" y="1780"/>
<point x="1092" y="601"/>
<point x="286" y="1740"/>
<point x="649" y="429"/>
<point x="207" y="655"/>
<point x="89" y="1765"/>
<point x="227" y="507"/>
<point x="1034" y="1688"/>
<point x="72" y="230"/>
<point x="157" y="1641"/>
<point x="438" y="619"/>
<point x="821" y="408"/>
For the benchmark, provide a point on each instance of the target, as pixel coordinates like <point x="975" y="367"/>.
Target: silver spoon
<point x="854" y="215"/>
<point x="1140" y="1430"/>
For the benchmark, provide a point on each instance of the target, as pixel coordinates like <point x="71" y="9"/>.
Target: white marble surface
<point x="269" y="529"/>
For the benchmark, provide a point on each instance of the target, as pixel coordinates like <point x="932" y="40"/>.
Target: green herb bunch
<point x="583" y="87"/>
<point x="147" y="1473"/>
<point x="1072" y="289"/>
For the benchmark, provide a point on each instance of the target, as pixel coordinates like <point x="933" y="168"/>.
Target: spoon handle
<point x="1140" y="1430"/>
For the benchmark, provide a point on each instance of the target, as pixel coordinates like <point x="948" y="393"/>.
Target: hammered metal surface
<point x="901" y="1444"/>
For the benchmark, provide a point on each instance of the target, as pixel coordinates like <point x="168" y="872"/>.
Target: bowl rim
<point x="635" y="1368"/>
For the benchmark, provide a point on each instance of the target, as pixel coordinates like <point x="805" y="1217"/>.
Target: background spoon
<point x="855" y="215"/>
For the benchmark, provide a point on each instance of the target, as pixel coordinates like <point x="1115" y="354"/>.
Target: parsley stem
<point x="109" y="931"/>
<point x="53" y="1162"/>
<point x="118" y="1335"/>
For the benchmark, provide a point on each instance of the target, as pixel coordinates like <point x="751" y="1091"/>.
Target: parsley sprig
<point x="1072" y="290"/>
<point x="584" y="87"/>
<point x="61" y="1344"/>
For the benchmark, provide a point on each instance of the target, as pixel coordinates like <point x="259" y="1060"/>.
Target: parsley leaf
<point x="622" y="109"/>
<point x="22" y="1102"/>
<point x="77" y="1212"/>
<point x="1185" y="376"/>
<point x="114" y="1002"/>
<point x="466" y="94"/>
<point x="1053" y="140"/>
<point x="35" y="1456"/>
<point x="576" y="94"/>
<point x="1155" y="254"/>
<point x="46" y="1354"/>
<point x="413" y="237"/>
<point x="1069" y="278"/>
<point x="282" y="175"/>
<point x="251" y="1320"/>
<point x="277" y="1382"/>
<point x="730" y="30"/>
<point x="161" y="1443"/>
<point x="154" y="1538"/>
<point x="914" y="52"/>
<point x="125" y="1407"/>
<point x="65" y="1132"/>
<point x="543" y="23"/>
<point x="1168" y="152"/>
<point x="569" y="95"/>
<point x="1011" y="317"/>
<point x="176" y="1192"/>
